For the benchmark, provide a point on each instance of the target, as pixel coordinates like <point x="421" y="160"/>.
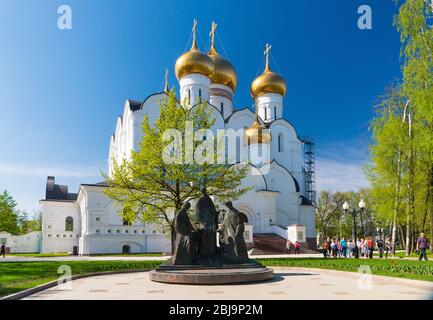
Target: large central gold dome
<point x="224" y="72"/>
<point x="268" y="81"/>
<point x="193" y="61"/>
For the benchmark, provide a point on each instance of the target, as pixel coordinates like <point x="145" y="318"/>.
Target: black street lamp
<point x="361" y="206"/>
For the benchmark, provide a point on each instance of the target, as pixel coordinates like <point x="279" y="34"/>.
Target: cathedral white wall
<point x="270" y="106"/>
<point x="279" y="179"/>
<point x="222" y="103"/>
<point x="290" y="153"/>
<point x="307" y="217"/>
<point x="194" y="83"/>
<point x="54" y="236"/>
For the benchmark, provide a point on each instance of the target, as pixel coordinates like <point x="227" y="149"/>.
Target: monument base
<point x="211" y="275"/>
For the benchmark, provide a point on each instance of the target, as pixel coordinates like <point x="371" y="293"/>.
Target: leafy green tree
<point x="8" y="217"/>
<point x="149" y="189"/>
<point x="29" y="222"/>
<point x="402" y="150"/>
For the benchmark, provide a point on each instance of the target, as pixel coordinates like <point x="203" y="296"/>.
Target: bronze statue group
<point x="196" y="241"/>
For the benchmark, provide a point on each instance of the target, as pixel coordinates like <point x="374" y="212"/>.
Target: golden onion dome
<point x="268" y="81"/>
<point x="257" y="133"/>
<point x="193" y="61"/>
<point x="224" y="72"/>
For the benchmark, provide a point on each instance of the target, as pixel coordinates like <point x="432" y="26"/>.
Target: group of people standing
<point x="336" y="248"/>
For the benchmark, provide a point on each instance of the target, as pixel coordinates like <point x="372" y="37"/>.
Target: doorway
<point x="126" y="249"/>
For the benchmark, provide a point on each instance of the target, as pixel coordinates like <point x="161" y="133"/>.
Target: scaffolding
<point x="309" y="169"/>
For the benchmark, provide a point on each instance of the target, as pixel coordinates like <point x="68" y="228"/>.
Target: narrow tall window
<point x="275" y="112"/>
<point x="69" y="224"/>
<point x="199" y="93"/>
<point x="266" y="113"/>
<point x="222" y="108"/>
<point x="189" y="95"/>
<point x="280" y="143"/>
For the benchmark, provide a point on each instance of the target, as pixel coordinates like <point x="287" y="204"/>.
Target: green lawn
<point x="39" y="255"/>
<point x="402" y="254"/>
<point x="411" y="269"/>
<point x="129" y="255"/>
<point x="18" y="276"/>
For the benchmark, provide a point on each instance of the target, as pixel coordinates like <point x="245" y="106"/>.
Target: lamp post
<point x="361" y="206"/>
<point x="346" y="210"/>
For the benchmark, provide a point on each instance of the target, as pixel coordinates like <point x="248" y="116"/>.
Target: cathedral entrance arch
<point x="126" y="249"/>
<point x="253" y="217"/>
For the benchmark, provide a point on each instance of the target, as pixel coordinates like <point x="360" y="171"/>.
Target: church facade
<point x="87" y="222"/>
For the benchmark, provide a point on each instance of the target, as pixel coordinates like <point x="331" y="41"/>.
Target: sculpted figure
<point x="206" y="219"/>
<point x="185" y="245"/>
<point x="232" y="243"/>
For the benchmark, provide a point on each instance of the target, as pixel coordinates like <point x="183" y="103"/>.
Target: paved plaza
<point x="288" y="284"/>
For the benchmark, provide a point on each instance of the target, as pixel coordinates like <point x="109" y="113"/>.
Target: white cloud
<point x="335" y="175"/>
<point x="18" y="170"/>
<point x="340" y="166"/>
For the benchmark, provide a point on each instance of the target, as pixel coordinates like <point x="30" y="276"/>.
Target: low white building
<point x="27" y="243"/>
<point x="87" y="222"/>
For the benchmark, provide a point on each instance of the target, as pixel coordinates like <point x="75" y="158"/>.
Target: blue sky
<point x="61" y="91"/>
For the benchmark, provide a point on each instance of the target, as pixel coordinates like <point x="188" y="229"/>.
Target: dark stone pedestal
<point x="225" y="274"/>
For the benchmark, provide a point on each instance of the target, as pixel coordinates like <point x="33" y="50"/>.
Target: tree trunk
<point x="431" y="228"/>
<point x="403" y="243"/>
<point x="427" y="200"/>
<point x="396" y="204"/>
<point x="410" y="192"/>
<point x="173" y="237"/>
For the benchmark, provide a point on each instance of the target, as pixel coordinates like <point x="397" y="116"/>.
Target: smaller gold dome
<point x="257" y="133"/>
<point x="268" y="81"/>
<point x="224" y="72"/>
<point x="193" y="61"/>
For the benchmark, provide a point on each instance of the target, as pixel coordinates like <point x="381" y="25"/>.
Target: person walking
<point x="3" y="250"/>
<point x="388" y="248"/>
<point x="326" y="248"/>
<point x="343" y="244"/>
<point x="288" y="246"/>
<point x="370" y="245"/>
<point x="297" y="247"/>
<point x="329" y="247"/>
<point x="334" y="248"/>
<point x="379" y="244"/>
<point x="422" y="244"/>
<point x="351" y="248"/>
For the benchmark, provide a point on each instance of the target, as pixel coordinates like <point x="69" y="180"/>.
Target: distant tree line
<point x="17" y="221"/>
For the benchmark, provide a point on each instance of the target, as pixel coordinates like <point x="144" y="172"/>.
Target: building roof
<point x="55" y="191"/>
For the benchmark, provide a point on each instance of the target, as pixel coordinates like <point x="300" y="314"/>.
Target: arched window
<point x="280" y="143"/>
<point x="69" y="224"/>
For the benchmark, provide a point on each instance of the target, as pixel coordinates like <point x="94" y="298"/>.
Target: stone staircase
<point x="271" y="243"/>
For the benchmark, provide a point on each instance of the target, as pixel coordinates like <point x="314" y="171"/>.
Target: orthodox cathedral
<point x="87" y="222"/>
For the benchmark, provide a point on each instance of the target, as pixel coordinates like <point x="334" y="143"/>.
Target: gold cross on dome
<point x="166" y="81"/>
<point x="266" y="53"/>
<point x="194" y="27"/>
<point x="212" y="32"/>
